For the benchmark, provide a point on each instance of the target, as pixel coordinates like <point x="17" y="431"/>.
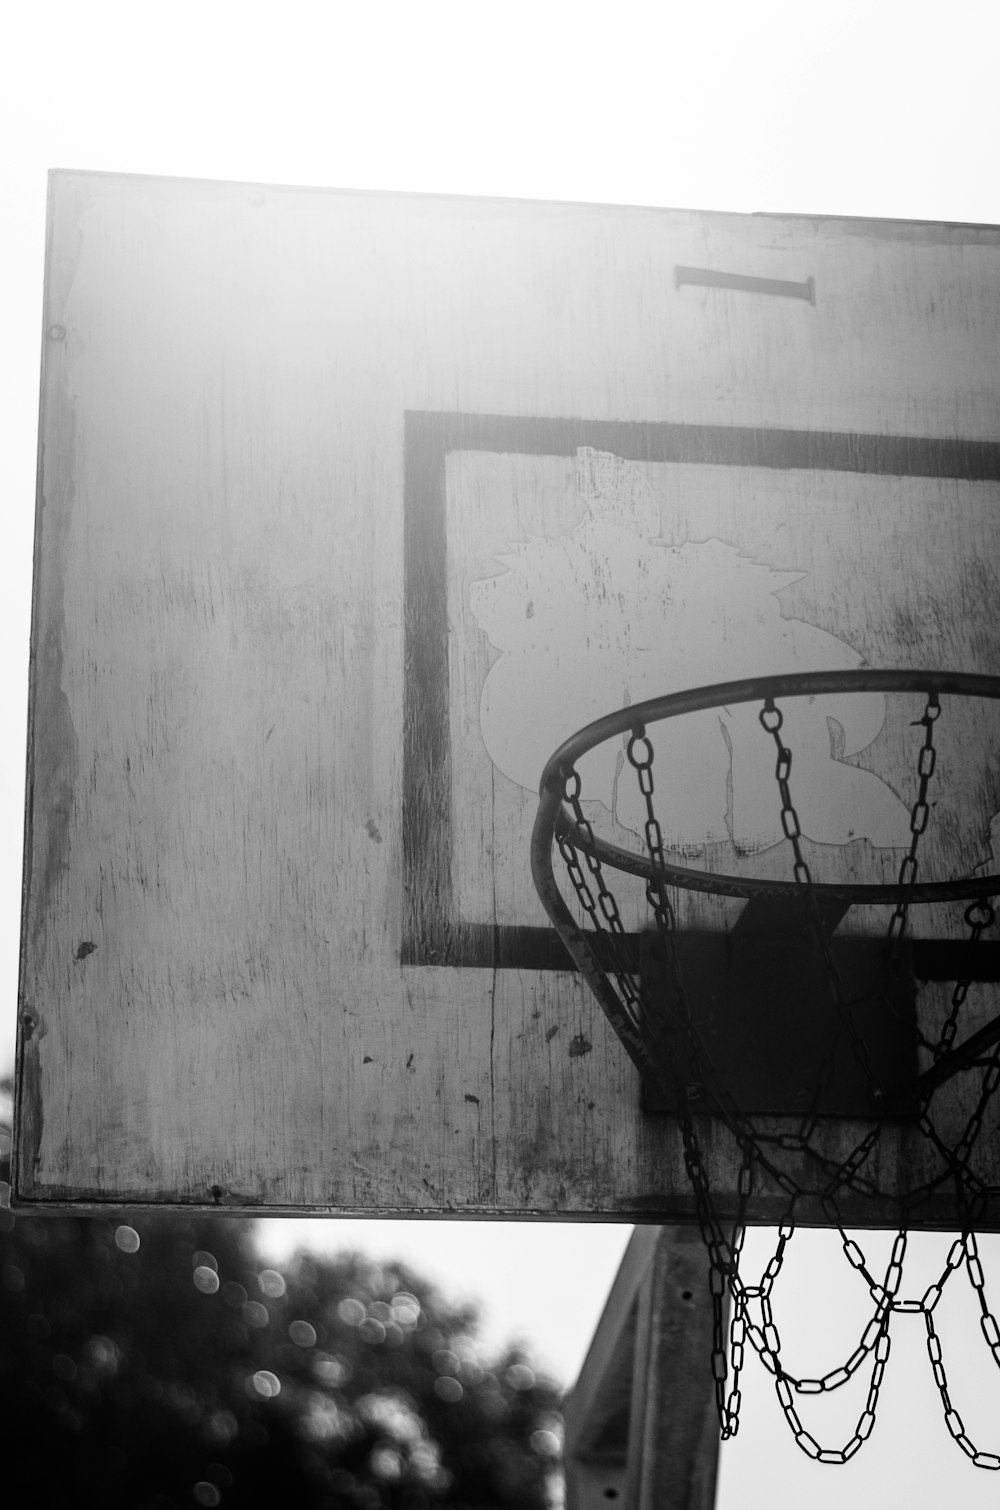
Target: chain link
<point x="919" y="815"/>
<point x="771" y="720"/>
<point x="979" y="916"/>
<point x="667" y="1027"/>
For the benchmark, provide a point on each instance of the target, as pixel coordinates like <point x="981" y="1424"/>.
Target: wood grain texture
<point x="259" y="968"/>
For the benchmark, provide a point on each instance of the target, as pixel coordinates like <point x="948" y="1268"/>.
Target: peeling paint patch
<point x="579" y="1046"/>
<point x="551" y="1033"/>
<point x="473" y="1099"/>
<point x="84" y="949"/>
<point x="372" y="830"/>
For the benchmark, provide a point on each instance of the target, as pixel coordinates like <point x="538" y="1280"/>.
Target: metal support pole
<point x="674" y="1428"/>
<point x="641" y="1425"/>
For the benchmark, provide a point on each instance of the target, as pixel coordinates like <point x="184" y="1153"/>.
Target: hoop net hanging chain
<point x="919" y="815"/>
<point x="979" y="917"/>
<point x="969" y="1190"/>
<point x="771" y="720"/>
<point x="752" y="1319"/>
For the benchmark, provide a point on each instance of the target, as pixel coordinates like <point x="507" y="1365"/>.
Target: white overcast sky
<point x="879" y="109"/>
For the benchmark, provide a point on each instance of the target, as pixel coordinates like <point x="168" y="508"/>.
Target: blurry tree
<point x="158" y="1363"/>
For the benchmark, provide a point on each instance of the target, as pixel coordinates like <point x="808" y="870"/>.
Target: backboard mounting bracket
<point x="769" y="1027"/>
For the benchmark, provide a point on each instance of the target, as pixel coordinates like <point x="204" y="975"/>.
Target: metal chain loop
<point x="678" y="1054"/>
<point x="980" y="916"/>
<point x="771" y="720"/>
<point x="919" y="815"/>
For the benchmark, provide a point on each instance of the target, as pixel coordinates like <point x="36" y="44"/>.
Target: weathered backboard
<point x="351" y="507"/>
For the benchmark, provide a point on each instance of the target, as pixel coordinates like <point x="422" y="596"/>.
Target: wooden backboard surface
<point x="350" y="507"/>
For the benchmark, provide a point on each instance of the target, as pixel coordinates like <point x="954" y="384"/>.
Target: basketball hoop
<point x="648" y="981"/>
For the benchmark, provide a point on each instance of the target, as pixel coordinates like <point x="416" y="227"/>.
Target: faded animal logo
<point x="612" y="613"/>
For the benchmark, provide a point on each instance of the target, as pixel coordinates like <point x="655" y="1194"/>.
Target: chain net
<point x="760" y="1152"/>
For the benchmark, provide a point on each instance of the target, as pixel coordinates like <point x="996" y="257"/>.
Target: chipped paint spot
<point x="84" y="949"/>
<point x="579" y="1046"/>
<point x="368" y="1059"/>
<point x="372" y="830"/>
<point x="473" y="1099"/>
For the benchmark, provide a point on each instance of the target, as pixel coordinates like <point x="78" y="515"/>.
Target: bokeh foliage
<point x="159" y="1362"/>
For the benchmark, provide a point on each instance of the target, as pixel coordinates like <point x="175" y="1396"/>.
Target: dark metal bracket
<point x="762" y="1009"/>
